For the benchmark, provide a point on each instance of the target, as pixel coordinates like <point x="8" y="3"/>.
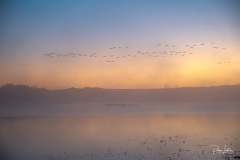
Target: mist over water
<point x="118" y="131"/>
<point x="12" y="110"/>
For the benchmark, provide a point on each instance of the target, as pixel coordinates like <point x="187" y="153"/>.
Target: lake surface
<point x="117" y="136"/>
<point x="118" y="108"/>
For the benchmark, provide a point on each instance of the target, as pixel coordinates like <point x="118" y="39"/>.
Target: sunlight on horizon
<point x="151" y="44"/>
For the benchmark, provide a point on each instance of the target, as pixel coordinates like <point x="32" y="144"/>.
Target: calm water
<point x="119" y="136"/>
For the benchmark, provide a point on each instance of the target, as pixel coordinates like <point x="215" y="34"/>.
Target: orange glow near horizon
<point x="138" y="72"/>
<point x="150" y="44"/>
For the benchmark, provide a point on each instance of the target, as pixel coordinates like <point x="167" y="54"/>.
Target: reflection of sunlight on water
<point x="119" y="136"/>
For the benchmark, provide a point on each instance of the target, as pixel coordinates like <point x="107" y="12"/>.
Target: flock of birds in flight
<point x="166" y="50"/>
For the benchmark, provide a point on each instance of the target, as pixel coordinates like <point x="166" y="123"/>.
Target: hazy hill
<point x="10" y="94"/>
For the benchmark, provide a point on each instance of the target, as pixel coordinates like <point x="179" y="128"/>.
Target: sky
<point x="59" y="44"/>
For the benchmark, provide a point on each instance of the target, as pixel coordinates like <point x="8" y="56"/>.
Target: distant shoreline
<point x="19" y="94"/>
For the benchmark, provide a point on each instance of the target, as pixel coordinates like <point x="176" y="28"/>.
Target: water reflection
<point x="116" y="136"/>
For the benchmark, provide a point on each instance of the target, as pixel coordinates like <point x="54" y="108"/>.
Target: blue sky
<point x="83" y="21"/>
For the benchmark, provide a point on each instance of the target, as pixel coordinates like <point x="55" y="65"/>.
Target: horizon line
<point x="167" y="87"/>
